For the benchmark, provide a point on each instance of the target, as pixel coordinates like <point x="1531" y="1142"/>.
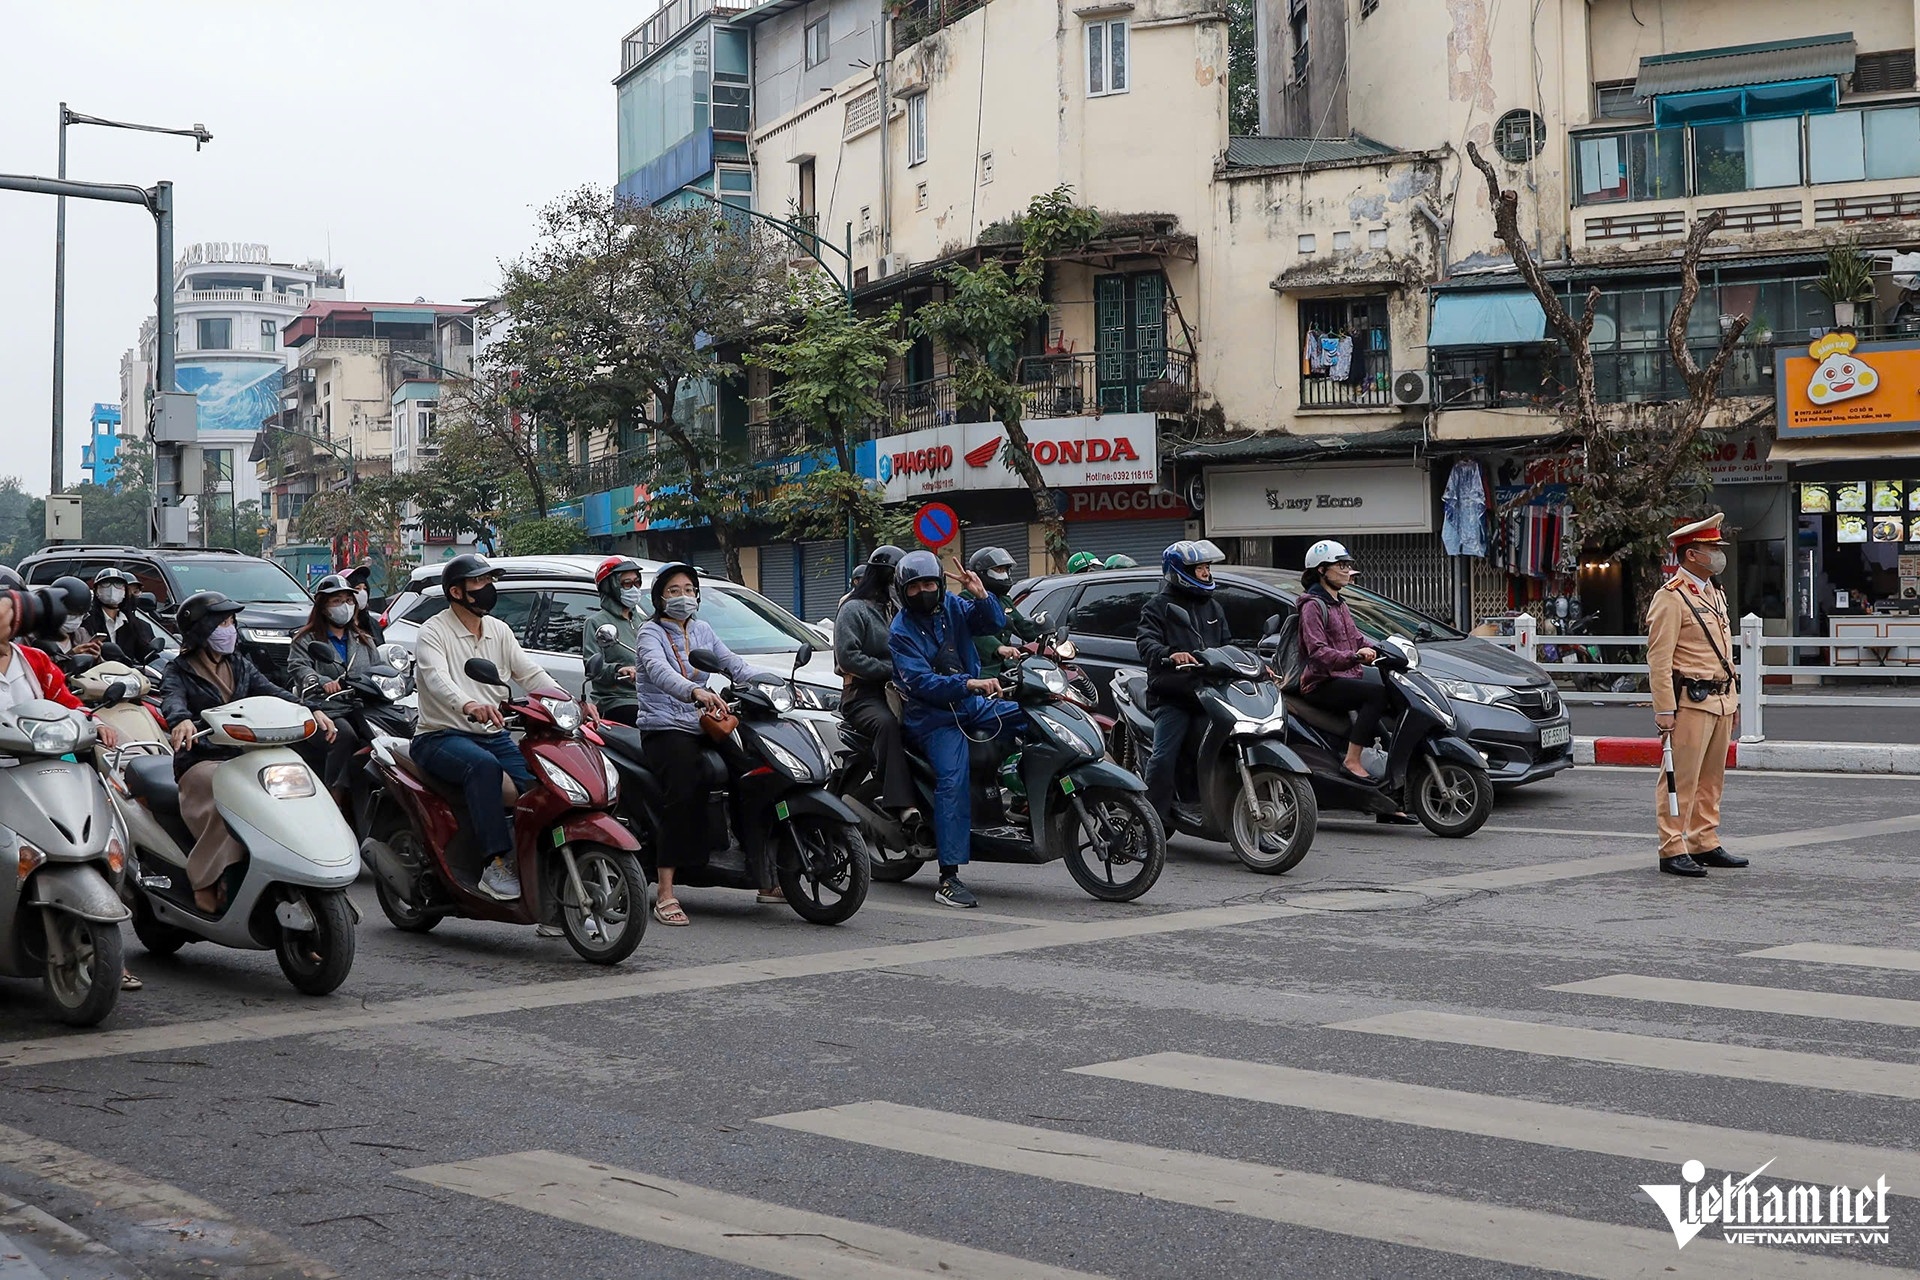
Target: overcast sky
<point x="409" y="141"/>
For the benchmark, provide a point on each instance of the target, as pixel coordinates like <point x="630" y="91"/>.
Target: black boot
<point x="1683" y="865"/>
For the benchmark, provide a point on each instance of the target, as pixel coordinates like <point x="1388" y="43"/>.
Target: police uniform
<point x="1691" y="675"/>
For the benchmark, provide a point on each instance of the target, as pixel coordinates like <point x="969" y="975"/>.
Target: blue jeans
<point x="942" y="734"/>
<point x="474" y="762"/>
<point x="1173" y="723"/>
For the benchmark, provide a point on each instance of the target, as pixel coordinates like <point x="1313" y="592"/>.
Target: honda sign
<point x="1071" y="453"/>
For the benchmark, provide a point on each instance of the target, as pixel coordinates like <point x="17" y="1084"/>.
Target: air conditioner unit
<point x="1412" y="386"/>
<point x="890" y="264"/>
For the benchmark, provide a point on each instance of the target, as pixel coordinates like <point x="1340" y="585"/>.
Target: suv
<point x="276" y="604"/>
<point x="548" y="599"/>
<point x="1508" y="707"/>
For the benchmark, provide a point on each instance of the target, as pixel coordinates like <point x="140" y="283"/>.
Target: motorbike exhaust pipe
<point x="385" y="863"/>
<point x="891" y="834"/>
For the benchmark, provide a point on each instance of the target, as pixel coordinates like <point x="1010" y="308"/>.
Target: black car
<point x="1508" y="707"/>
<point x="276" y="604"/>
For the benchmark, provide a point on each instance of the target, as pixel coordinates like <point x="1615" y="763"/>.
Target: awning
<point x="1502" y="318"/>
<point x="1746" y="64"/>
<point x="1280" y="446"/>
<point x="1845" y="449"/>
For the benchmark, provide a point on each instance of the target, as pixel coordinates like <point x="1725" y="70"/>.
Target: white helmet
<point x="1325" y="552"/>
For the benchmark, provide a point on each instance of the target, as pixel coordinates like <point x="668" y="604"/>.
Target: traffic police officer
<point x="1696" y="698"/>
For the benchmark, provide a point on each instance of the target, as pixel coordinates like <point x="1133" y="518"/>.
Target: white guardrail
<point x="1847" y="656"/>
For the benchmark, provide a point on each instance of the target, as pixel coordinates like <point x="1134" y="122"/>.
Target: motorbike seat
<point x="1331" y="721"/>
<point x="403" y="756"/>
<point x="622" y="740"/>
<point x="150" y="779"/>
<point x="1134" y="682"/>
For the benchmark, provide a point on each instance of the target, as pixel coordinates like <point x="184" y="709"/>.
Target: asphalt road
<point x="1380" y="1076"/>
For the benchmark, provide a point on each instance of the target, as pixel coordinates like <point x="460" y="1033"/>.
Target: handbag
<point x="719" y="727"/>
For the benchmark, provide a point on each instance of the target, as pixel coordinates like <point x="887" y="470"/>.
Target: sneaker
<point x="499" y="882"/>
<point x="549" y="931"/>
<point x="952" y="893"/>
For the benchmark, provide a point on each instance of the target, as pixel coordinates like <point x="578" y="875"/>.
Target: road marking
<point x="149" y="1202"/>
<point x="1735" y="1062"/>
<point x="1565" y="831"/>
<point x="1882" y="1010"/>
<point x="714" y="1224"/>
<point x="974" y="916"/>
<point x="1830" y="835"/>
<point x="526" y="997"/>
<point x="1842" y="953"/>
<point x="1519" y="1120"/>
<point x="1361" y="1210"/>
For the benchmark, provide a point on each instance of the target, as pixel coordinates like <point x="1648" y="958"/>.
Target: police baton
<point x="1666" y="767"/>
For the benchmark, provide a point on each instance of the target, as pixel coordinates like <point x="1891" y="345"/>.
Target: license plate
<point x="1556" y="735"/>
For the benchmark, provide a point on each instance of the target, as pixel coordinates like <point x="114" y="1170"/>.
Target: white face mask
<point x="111" y="596"/>
<point x="360" y="596"/>
<point x="632" y="597"/>
<point x="71" y="625"/>
<point x="340" y="614"/>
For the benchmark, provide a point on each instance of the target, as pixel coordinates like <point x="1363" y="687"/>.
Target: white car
<point x="548" y="599"/>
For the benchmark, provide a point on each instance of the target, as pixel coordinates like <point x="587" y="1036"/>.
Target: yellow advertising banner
<point x="1844" y="387"/>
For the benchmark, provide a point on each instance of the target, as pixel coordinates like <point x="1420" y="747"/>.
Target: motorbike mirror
<point x="605" y="633"/>
<point x="321" y="651"/>
<point x="1272" y="625"/>
<point x="1061" y="632"/>
<point x="112" y="652"/>
<point x="81" y="662"/>
<point x="481" y="671"/>
<point x="801" y="657"/>
<point x="705" y="660"/>
<point x="594" y="665"/>
<point x="118" y="692"/>
<point x="146" y="602"/>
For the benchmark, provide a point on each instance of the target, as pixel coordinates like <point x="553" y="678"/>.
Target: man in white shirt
<point x="462" y="739"/>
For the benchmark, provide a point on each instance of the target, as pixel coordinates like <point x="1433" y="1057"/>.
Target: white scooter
<point x="301" y="855"/>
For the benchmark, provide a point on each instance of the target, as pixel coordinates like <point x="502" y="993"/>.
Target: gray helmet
<point x="995" y="567"/>
<point x="915" y="566"/>
<point x="332" y="584"/>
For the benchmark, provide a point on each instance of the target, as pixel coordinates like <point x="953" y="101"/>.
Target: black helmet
<point x="995" y="567"/>
<point x="916" y="566"/>
<point x="332" y="584"/>
<point x="75" y="594"/>
<point x="111" y="574"/>
<point x="858" y="577"/>
<point x="463" y="568"/>
<point x="667" y="571"/>
<point x="201" y="613"/>
<point x="885" y="562"/>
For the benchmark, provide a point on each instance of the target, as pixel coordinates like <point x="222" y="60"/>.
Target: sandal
<point x="128" y="982"/>
<point x="771" y="898"/>
<point x="670" y="913"/>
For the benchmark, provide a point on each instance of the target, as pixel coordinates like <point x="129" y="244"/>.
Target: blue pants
<point x="474" y="762"/>
<point x="1173" y="724"/>
<point x="942" y="734"/>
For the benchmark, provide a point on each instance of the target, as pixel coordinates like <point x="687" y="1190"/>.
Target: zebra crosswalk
<point x="1630" y="1238"/>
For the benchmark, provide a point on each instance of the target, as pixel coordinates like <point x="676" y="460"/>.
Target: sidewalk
<point x="1782" y="724"/>
<point x="1799" y="757"/>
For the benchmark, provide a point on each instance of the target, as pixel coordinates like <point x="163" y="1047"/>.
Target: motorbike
<point x="1430" y="771"/>
<point x="578" y="865"/>
<point x="1240" y="782"/>
<point x="64" y="851"/>
<point x="1053" y="797"/>
<point x="769" y="815"/>
<point x="291" y="895"/>
<point x="121" y="696"/>
<point x="371" y="701"/>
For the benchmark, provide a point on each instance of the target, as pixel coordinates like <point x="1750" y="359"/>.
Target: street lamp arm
<point x="808" y="242"/>
<point x="198" y="132"/>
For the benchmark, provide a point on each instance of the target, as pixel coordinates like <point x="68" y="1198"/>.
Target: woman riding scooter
<point x="1335" y="654"/>
<point x="861" y="651"/>
<point x="674" y="699"/>
<point x="335" y="623"/>
<point x="209" y="673"/>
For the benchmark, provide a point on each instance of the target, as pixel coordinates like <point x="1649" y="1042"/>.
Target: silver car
<point x="548" y="599"/>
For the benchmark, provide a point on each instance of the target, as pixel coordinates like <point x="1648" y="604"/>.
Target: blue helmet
<point x="1178" y="562"/>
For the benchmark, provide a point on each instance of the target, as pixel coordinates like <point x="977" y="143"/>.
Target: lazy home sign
<point x="1320" y="502"/>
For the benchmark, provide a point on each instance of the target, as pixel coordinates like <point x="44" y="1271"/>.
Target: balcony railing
<point x="1517" y="377"/>
<point x="1148" y="380"/>
<point x="294" y="300"/>
<point x="1366" y="382"/>
<point x="667" y="22"/>
<point x="577" y="479"/>
<point x="776" y="438"/>
<point x="915" y="20"/>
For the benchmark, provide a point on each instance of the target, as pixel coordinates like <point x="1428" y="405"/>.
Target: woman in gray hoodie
<point x="861" y="652"/>
<point x="673" y="696"/>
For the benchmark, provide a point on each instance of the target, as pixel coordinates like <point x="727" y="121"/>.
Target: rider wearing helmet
<point x="949" y="703"/>
<point x="1168" y="643"/>
<point x="210" y="672"/>
<point x="621" y="597"/>
<point x="862" y="653"/>
<point x="367" y="608"/>
<point x="73" y="649"/>
<point x="112" y="620"/>
<point x="334" y="626"/>
<point x="462" y="739"/>
<point x="1119" y="561"/>
<point x="1083" y="562"/>
<point x="1334" y="652"/>
<point x="994" y="565"/>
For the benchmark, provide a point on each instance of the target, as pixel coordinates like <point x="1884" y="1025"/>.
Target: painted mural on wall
<point x="234" y="395"/>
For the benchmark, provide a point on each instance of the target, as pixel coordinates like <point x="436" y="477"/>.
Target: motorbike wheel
<point x="84" y="989"/>
<point x="1456" y="803"/>
<point x="159" y="939"/>
<point x="316" y="962"/>
<point x="1120" y="853"/>
<point x="893" y="870"/>
<point x="1289" y="817"/>
<point x="607" y="927"/>
<point x="405" y="916"/>
<point x="837" y="891"/>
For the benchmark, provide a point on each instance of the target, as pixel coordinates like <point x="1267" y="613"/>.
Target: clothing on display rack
<point x="1463" y="528"/>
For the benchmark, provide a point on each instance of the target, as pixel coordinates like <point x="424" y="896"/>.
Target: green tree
<point x="23" y="521"/>
<point x="619" y="309"/>
<point x="547" y="536"/>
<point x="1243" y="68"/>
<point x="476" y="482"/>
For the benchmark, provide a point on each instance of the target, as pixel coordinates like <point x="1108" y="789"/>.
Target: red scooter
<point x="577" y="863"/>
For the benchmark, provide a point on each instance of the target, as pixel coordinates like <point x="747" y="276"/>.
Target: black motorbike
<point x="1431" y="772"/>
<point x="1239" y="781"/>
<point x="1052" y="797"/>
<point x="768" y="809"/>
<point x="369" y="702"/>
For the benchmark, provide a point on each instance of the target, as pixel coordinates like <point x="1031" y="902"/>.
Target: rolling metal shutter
<point x="1144" y="540"/>
<point x="823" y="580"/>
<point x="1409" y="567"/>
<point x="711" y="563"/>
<point x="777" y="562"/>
<point x="1011" y="536"/>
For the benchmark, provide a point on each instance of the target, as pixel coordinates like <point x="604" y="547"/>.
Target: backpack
<point x="1290" y="654"/>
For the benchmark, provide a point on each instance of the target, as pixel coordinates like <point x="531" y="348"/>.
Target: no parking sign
<point x="935" y="525"/>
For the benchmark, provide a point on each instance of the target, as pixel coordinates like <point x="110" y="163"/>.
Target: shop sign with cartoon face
<point x="1841" y="375"/>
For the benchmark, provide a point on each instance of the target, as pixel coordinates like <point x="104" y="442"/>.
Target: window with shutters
<point x="917" y="129"/>
<point x="1130" y="337"/>
<point x="1888" y="71"/>
<point x="1614" y="100"/>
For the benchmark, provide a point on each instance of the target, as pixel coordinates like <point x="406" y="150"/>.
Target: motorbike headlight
<point x="1467" y="691"/>
<point x="612" y="775"/>
<point x="392" y="688"/>
<point x="287" y="781"/>
<point x="53" y="737"/>
<point x="565" y="713"/>
<point x="787" y="760"/>
<point x="565" y="783"/>
<point x="781" y="697"/>
<point x="1067" y="650"/>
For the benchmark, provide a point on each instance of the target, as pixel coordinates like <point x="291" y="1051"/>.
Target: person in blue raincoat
<point x="948" y="702"/>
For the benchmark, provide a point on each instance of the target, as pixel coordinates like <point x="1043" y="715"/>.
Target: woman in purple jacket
<point x="1335" y="651"/>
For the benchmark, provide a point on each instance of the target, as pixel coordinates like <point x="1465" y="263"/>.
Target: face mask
<point x="340" y="614"/>
<point x="71" y="625"/>
<point x="925" y="602"/>
<point x="683" y="608"/>
<point x="223" y="639"/>
<point x="1716" y="562"/>
<point x="998" y="586"/>
<point x="360" y="596"/>
<point x="482" y="599"/>
<point x="111" y="596"/>
<point x="632" y="597"/>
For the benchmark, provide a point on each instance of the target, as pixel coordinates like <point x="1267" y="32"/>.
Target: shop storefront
<point x="1140" y="521"/>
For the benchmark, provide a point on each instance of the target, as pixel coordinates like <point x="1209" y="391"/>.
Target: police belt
<point x="1697" y="690"/>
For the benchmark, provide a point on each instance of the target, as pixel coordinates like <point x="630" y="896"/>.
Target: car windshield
<point x="747" y="624"/>
<point x="1378" y="617"/>
<point x="248" y="581"/>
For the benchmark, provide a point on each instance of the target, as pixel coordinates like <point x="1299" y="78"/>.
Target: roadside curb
<point x="1808" y="757"/>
